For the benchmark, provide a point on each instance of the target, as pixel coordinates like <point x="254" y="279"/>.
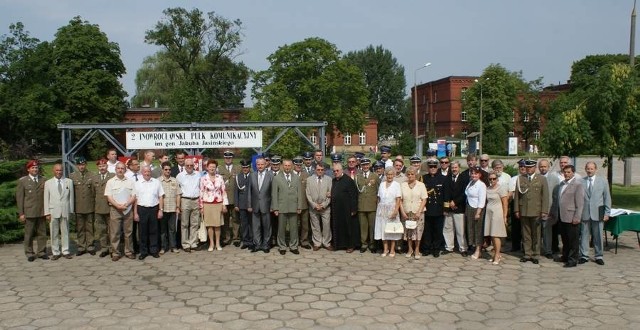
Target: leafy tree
<point x="406" y="144"/>
<point x="195" y="73"/>
<point x="565" y="132"/>
<point x="500" y="89"/>
<point x="386" y="84"/>
<point x="315" y="83"/>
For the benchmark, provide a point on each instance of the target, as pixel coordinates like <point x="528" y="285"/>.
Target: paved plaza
<point x="235" y="289"/>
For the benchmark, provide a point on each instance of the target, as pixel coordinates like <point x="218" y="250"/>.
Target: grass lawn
<point x="626" y="197"/>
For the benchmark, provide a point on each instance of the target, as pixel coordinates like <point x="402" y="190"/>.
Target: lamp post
<point x="479" y="151"/>
<point x="415" y="100"/>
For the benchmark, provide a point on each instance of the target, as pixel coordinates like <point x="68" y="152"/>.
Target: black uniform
<point x="438" y="191"/>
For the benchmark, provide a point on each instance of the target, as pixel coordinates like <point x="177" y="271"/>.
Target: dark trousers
<point x="555" y="242"/>
<point x="432" y="239"/>
<point x="570" y="247"/>
<point x="35" y="229"/>
<point x="246" y="235"/>
<point x="167" y="239"/>
<point x="148" y="229"/>
<point x="516" y="230"/>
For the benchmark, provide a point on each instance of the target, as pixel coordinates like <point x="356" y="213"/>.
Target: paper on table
<point x="617" y="212"/>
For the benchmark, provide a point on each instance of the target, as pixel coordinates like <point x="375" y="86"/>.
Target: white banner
<point x="194" y="139"/>
<point x="513" y="146"/>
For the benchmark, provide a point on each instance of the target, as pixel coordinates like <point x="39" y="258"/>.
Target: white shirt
<point x="111" y="168"/>
<point x="505" y="180"/>
<point x="149" y="192"/>
<point x="189" y="184"/>
<point x="476" y="194"/>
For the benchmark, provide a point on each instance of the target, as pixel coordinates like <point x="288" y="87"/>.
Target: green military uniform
<point x="101" y="211"/>
<point x="83" y="187"/>
<point x="30" y="203"/>
<point x="367" y="204"/>
<point x="531" y="199"/>
<point x="231" y="227"/>
<point x="286" y="199"/>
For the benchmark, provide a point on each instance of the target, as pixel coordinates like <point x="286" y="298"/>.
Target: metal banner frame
<point x="70" y="148"/>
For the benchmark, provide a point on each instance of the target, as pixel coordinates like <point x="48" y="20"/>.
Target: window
<point x="464" y="134"/>
<point x="435" y="96"/>
<point x="313" y="138"/>
<point x="463" y="116"/>
<point x="463" y="93"/>
<point x="512" y="134"/>
<point x="347" y="139"/>
<point x="362" y="138"/>
<point x="424" y="99"/>
<point x="536" y="134"/>
<point x="526" y="118"/>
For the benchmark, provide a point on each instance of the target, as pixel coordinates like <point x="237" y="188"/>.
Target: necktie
<point x="229" y="168"/>
<point x="288" y="180"/>
<point x="181" y="169"/>
<point x="35" y="179"/>
<point x="102" y="177"/>
<point x="59" y="187"/>
<point x="455" y="177"/>
<point x="135" y="175"/>
<point x="366" y="175"/>
<point x="260" y="178"/>
<point x="529" y="177"/>
<point x="590" y="185"/>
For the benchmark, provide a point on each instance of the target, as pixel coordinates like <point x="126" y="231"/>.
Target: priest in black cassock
<point x="344" y="211"/>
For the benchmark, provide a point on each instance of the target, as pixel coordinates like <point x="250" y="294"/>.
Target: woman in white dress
<point x="414" y="197"/>
<point x="389" y="194"/>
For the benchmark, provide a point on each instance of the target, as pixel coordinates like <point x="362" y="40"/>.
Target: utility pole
<point x="628" y="162"/>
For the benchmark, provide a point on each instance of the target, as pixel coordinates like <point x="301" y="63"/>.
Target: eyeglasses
<point x="433" y="166"/>
<point x="493" y="179"/>
<point x="484" y="160"/>
<point x="445" y="162"/>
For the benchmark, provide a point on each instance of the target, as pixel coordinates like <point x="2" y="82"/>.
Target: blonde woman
<point x="212" y="198"/>
<point x="414" y="198"/>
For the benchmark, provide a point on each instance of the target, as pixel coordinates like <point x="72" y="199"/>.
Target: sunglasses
<point x="444" y="162"/>
<point x="433" y="166"/>
<point x="493" y="179"/>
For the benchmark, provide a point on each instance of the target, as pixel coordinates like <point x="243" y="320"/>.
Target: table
<point x="617" y="225"/>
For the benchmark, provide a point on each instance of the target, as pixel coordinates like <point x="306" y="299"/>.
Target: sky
<point x="541" y="38"/>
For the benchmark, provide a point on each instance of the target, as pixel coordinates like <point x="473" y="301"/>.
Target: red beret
<point x="32" y="163"/>
<point x="102" y="161"/>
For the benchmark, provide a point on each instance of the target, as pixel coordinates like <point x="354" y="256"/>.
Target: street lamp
<point x="415" y="100"/>
<point x="478" y="152"/>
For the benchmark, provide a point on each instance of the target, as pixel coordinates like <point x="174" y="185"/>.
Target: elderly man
<point x="148" y="158"/>
<point x="344" y="210"/>
<point x="367" y="184"/>
<point x="102" y="208"/>
<point x="121" y="194"/>
<point x="242" y="203"/>
<point x="484" y="164"/>
<point x="58" y="205"/>
<point x="259" y="199"/>
<point x="187" y="204"/>
<point x="444" y="166"/>
<point x="231" y="226"/>
<point x="112" y="160"/>
<point x="439" y="195"/>
<point x="568" y="201"/>
<point x="286" y="202"/>
<point x="30" y="204"/>
<point x="318" y="193"/>
<point x="352" y="167"/>
<point x="597" y="209"/>
<point x="498" y="168"/>
<point x="531" y="205"/>
<point x="454" y="219"/>
<point x="84" y="206"/>
<point x="171" y="211"/>
<point x="148" y="212"/>
<point x="549" y="228"/>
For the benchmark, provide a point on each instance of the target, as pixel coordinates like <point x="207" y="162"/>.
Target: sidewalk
<point x="235" y="289"/>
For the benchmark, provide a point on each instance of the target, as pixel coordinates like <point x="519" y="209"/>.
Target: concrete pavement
<point x="235" y="289"/>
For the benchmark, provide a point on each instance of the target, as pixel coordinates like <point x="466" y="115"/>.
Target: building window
<point x="463" y="93"/>
<point x="362" y="138"/>
<point x="424" y="99"/>
<point x="464" y="134"/>
<point x="526" y="118"/>
<point x="435" y="96"/>
<point x="463" y="116"/>
<point x="347" y="139"/>
<point x="536" y="135"/>
<point x="313" y="138"/>
<point x="511" y="134"/>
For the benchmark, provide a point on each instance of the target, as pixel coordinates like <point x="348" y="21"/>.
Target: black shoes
<point x="79" y="253"/>
<point x="295" y="251"/>
<point x="104" y="254"/>
<point x="535" y="261"/>
<point x="266" y="250"/>
<point x="253" y="249"/>
<point x="282" y="252"/>
<point x="600" y="262"/>
<point x="93" y="253"/>
<point x="524" y="259"/>
<point x="142" y="256"/>
<point x="306" y="246"/>
<point x="436" y="254"/>
<point x="548" y="256"/>
<point x="155" y="255"/>
<point x="569" y="265"/>
<point x="55" y="257"/>
<point x="31" y="258"/>
<point x="582" y="261"/>
<point x="464" y="254"/>
<point x="44" y="257"/>
<point x="445" y="252"/>
<point x="236" y="243"/>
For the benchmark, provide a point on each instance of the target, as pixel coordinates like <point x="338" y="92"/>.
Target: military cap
<point x="365" y="161"/>
<point x="530" y="163"/>
<point x="245" y="163"/>
<point x="307" y="155"/>
<point x="432" y="162"/>
<point x="385" y="149"/>
<point x="228" y="154"/>
<point x="359" y="155"/>
<point x="275" y="159"/>
<point x="297" y="160"/>
<point x="32" y="163"/>
<point x="415" y="159"/>
<point x="521" y="163"/>
<point x="81" y="160"/>
<point x="378" y="164"/>
<point x="336" y="158"/>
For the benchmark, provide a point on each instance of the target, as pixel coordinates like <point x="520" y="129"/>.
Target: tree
<point x="565" y="132"/>
<point x="500" y="89"/>
<point x="315" y="83"/>
<point x="385" y="81"/>
<point x="195" y="74"/>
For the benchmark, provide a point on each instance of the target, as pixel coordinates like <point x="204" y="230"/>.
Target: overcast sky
<point x="541" y="38"/>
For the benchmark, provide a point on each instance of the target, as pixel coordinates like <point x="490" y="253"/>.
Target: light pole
<point x="415" y="101"/>
<point x="479" y="151"/>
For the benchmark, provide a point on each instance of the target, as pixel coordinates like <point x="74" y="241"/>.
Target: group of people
<point x="387" y="206"/>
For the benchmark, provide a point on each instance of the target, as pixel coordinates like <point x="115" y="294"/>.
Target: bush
<point x="11" y="229"/>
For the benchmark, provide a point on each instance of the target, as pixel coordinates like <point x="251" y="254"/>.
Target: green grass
<point x="626" y="197"/>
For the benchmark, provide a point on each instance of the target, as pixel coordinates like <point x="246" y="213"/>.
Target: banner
<point x="194" y="139"/>
<point x="513" y="146"/>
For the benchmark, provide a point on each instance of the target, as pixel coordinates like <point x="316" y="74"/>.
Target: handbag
<point x="411" y="224"/>
<point x="393" y="228"/>
<point x="202" y="231"/>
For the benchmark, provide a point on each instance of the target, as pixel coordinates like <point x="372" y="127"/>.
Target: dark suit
<point x="241" y="196"/>
<point x="454" y="220"/>
<point x="30" y="203"/>
<point x="231" y="227"/>
<point x="259" y="199"/>
<point x="568" y="201"/>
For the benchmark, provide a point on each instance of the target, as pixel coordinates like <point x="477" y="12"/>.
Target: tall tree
<point x="315" y="83"/>
<point x="386" y="84"/>
<point x="87" y="68"/>
<point x="500" y="89"/>
<point x="196" y="73"/>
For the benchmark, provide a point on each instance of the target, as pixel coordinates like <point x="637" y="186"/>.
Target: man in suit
<point x="568" y="201"/>
<point x="179" y="167"/>
<point x="242" y="204"/>
<point x="286" y="203"/>
<point x="318" y="158"/>
<point x="84" y="206"/>
<point x="367" y="184"/>
<point x="531" y="203"/>
<point x="303" y="217"/>
<point x="30" y="204"/>
<point x="597" y="208"/>
<point x="454" y="218"/>
<point x="549" y="228"/>
<point x="102" y="209"/>
<point x="58" y="205"/>
<point x="231" y="226"/>
<point x="259" y="199"/>
<point x="318" y="194"/>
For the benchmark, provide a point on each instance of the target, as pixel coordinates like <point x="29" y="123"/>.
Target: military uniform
<point x="438" y="191"/>
<point x="231" y="226"/>
<point x="83" y="187"/>
<point x="101" y="211"/>
<point x="303" y="217"/>
<point x="367" y="204"/>
<point x="531" y="200"/>
<point x="30" y="203"/>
